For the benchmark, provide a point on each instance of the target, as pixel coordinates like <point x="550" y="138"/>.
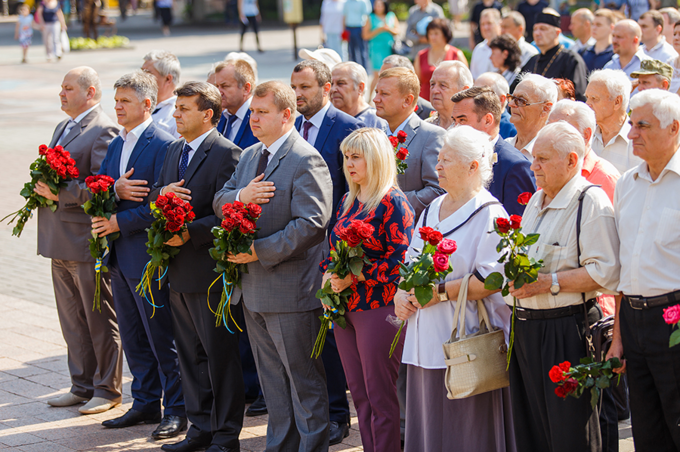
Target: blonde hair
<point x="408" y="82"/>
<point x="381" y="168"/>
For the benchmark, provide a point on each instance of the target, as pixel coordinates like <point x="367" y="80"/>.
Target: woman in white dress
<point x="466" y="214"/>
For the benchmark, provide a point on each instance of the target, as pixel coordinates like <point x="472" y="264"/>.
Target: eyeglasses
<point x="520" y="102"/>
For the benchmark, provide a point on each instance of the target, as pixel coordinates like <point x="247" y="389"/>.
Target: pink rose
<point x="447" y="246"/>
<point x="441" y="262"/>
<point x="671" y="314"/>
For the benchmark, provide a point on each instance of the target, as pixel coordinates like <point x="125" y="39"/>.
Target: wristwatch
<point x="555" y="287"/>
<point x="443" y="296"/>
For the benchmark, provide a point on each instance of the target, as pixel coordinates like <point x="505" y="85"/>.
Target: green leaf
<point x="356" y="265"/>
<point x="494" y="281"/>
<point x="423" y="294"/>
<point x="341" y="322"/>
<point x="594" y="396"/>
<point x="421" y="278"/>
<point x="531" y="239"/>
<point x="603" y="382"/>
<point x="675" y="338"/>
<point x="520" y="281"/>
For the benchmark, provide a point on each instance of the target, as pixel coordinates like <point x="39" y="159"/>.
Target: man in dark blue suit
<point x="324" y="127"/>
<point x="236" y="81"/>
<point x="480" y="108"/>
<point x="148" y="344"/>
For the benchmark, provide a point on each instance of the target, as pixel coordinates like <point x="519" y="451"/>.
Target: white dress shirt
<point x="73" y="122"/>
<point x="527" y="150"/>
<point x="129" y="141"/>
<point x="648" y="219"/>
<point x="401" y="126"/>
<point x="162" y="116"/>
<point x="619" y="150"/>
<point x="429" y="328"/>
<point x="663" y="51"/>
<point x="240" y="116"/>
<point x="480" y="62"/>
<point x="316" y="121"/>
<point x="194" y="145"/>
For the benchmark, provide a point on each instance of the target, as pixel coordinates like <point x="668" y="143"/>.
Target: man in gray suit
<point x="291" y="181"/>
<point x="395" y="100"/>
<point x="95" y="357"/>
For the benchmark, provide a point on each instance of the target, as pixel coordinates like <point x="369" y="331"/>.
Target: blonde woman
<point x="364" y="345"/>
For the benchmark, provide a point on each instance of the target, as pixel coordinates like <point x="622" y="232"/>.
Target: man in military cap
<point x="653" y="74"/>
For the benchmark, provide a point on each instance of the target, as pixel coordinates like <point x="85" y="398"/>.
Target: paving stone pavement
<point x="32" y="351"/>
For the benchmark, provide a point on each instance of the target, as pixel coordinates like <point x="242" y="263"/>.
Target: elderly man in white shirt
<point x="513" y="24"/>
<point x="551" y="312"/>
<point x="647" y="209"/>
<point x="164" y="66"/>
<point x="608" y="93"/>
<point x="653" y="39"/>
<point x="490" y="27"/>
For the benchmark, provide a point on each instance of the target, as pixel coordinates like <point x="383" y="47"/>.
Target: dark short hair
<point x="209" y="97"/>
<point x="440" y="24"/>
<point x="656" y="17"/>
<point x="485" y="100"/>
<point x="507" y="42"/>
<point x="321" y="71"/>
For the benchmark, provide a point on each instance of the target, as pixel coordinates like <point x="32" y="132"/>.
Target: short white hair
<point x="495" y="81"/>
<point x="564" y="138"/>
<point x="166" y="63"/>
<point x="665" y="105"/>
<point x="461" y="74"/>
<point x="471" y="145"/>
<point x="580" y="116"/>
<point x="233" y="56"/>
<point x="617" y="83"/>
<point x="545" y="88"/>
<point x="356" y="72"/>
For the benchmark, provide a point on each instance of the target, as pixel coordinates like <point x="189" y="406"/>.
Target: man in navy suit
<point x="480" y="108"/>
<point x="148" y="344"/>
<point x="324" y="127"/>
<point x="236" y="81"/>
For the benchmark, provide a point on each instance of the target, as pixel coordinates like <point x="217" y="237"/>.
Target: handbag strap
<point x="460" y="309"/>
<point x="579" y="212"/>
<point x="479" y="209"/>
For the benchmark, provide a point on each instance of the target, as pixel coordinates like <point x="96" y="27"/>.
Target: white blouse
<point x="429" y="328"/>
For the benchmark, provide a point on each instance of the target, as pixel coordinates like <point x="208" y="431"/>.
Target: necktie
<point x="184" y="161"/>
<point x="67" y="129"/>
<point x="262" y="164"/>
<point x="305" y="130"/>
<point x="227" y="127"/>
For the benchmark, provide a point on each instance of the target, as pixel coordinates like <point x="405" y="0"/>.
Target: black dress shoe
<point x="339" y="431"/>
<point x="218" y="448"/>
<point x="133" y="417"/>
<point x="170" y="427"/>
<point x="258" y="407"/>
<point x="186" y="445"/>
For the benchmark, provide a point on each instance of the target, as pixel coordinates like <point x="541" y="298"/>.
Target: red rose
<point x="416" y="109"/>
<point x="441" y="262"/>
<point x="170" y="195"/>
<point x="503" y="225"/>
<point x="61" y="171"/>
<point x="570" y="385"/>
<point x="353" y="239"/>
<point x="434" y="238"/>
<point x="237" y="217"/>
<point x="366" y="231"/>
<point x="176" y="201"/>
<point x="179" y="218"/>
<point x="565" y="366"/>
<point x="341" y="232"/>
<point x="247" y="227"/>
<point x="515" y="221"/>
<point x="173" y="227"/>
<point x="179" y="211"/>
<point x="89" y="180"/>
<point x="447" y="246"/>
<point x="401" y="136"/>
<point x="42" y="150"/>
<point x="238" y="205"/>
<point x="556" y="374"/>
<point x="59" y="149"/>
<point x="190" y="216"/>
<point x="228" y="224"/>
<point x="524" y="198"/>
<point x="671" y="314"/>
<point x="170" y="216"/>
<point x="425" y="232"/>
<point x="161" y="201"/>
<point x="73" y="171"/>
<point x="394" y="141"/>
<point x="70" y="161"/>
<point x="254" y="211"/>
<point x="560" y="391"/>
<point x="402" y="154"/>
<point x="227" y="209"/>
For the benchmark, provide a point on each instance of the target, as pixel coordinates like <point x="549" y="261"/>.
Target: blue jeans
<point x="358" y="51"/>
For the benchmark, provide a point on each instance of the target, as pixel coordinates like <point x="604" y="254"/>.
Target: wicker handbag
<point x="475" y="363"/>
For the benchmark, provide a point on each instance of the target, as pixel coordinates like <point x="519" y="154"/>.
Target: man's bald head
<point x="629" y="27"/>
<point x="87" y="77"/>
<point x="80" y="91"/>
<point x="626" y="38"/>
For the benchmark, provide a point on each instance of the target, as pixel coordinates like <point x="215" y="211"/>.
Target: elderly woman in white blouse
<point x="466" y="214"/>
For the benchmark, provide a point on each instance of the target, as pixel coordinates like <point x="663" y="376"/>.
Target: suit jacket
<point x="511" y="177"/>
<point x="334" y="128"/>
<point x="425" y="108"/>
<point x="293" y="225"/>
<point x="420" y="183"/>
<point x="134" y="217"/>
<point x="63" y="234"/>
<point x="244" y="137"/>
<point x="191" y="271"/>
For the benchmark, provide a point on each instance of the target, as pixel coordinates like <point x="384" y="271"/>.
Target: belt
<point x="545" y="314"/>
<point x="653" y="302"/>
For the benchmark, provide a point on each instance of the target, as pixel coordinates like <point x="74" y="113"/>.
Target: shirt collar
<point x="241" y="112"/>
<point x="660" y="44"/>
<point x="642" y="170"/>
<point x="194" y="145"/>
<point x="276" y="145"/>
<point x="80" y="117"/>
<point x="137" y="131"/>
<point x="169" y="101"/>
<point x="403" y="124"/>
<point x="589" y="162"/>
<point x="317" y="119"/>
<point x="565" y="195"/>
<point x="623" y="134"/>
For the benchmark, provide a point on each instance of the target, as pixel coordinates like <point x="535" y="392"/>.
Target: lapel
<point x="141" y="144"/>
<point x="325" y="129"/>
<point x="281" y="153"/>
<point x="58" y="132"/>
<point x="79" y="127"/>
<point x="242" y="129"/>
<point x="298" y="123"/>
<point x="411" y="129"/>
<point x="199" y="156"/>
<point x="173" y="160"/>
<point x="116" y="152"/>
<point x="223" y="121"/>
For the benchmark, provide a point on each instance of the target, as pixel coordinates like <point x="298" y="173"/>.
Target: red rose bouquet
<point x="348" y="258"/>
<point x="102" y="204"/>
<point x="590" y="374"/>
<point x="172" y="215"/>
<point x="400" y="152"/>
<point x="518" y="268"/>
<point x="671" y="315"/>
<point x="421" y="274"/>
<point x="54" y="167"/>
<point x="234" y="236"/>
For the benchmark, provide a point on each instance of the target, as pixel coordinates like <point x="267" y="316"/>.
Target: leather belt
<point x="545" y="314"/>
<point x="637" y="302"/>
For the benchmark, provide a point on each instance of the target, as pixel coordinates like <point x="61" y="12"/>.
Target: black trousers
<point x="252" y="21"/>
<point x="543" y="421"/>
<point x="211" y="369"/>
<point x="653" y="378"/>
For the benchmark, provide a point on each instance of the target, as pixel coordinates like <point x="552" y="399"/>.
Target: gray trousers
<point x="95" y="353"/>
<point x="293" y="383"/>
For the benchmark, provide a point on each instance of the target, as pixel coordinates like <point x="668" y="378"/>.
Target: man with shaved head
<point x="95" y="355"/>
<point x="626" y="44"/>
<point x="581" y="28"/>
